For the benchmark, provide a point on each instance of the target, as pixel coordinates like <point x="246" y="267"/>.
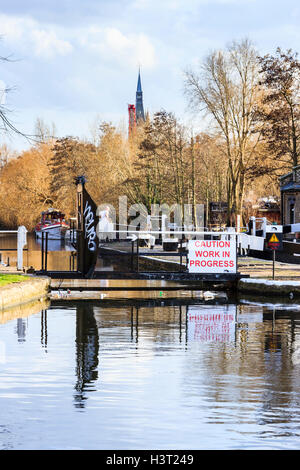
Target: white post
<point x="264" y="226"/>
<point x="163" y="225"/>
<point x="238" y="223"/>
<point x="253" y="229"/>
<point x="22" y="240"/>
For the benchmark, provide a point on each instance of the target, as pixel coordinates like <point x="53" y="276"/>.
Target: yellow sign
<point x="273" y="239"/>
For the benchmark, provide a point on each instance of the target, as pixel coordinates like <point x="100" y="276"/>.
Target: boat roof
<point x="51" y="211"/>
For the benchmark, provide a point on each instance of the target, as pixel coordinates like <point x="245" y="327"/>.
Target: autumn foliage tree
<point x="280" y="108"/>
<point x="44" y="176"/>
<point x="25" y="187"/>
<point x="70" y="158"/>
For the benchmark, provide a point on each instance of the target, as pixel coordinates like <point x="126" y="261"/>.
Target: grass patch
<point x="11" y="278"/>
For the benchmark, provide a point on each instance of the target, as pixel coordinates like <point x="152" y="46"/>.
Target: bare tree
<point x="43" y="132"/>
<point x="6" y="122"/>
<point x="226" y="89"/>
<point x="6" y="154"/>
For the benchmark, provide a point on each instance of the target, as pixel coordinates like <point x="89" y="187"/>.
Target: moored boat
<point x="52" y="222"/>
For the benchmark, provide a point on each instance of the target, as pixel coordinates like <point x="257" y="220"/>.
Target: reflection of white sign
<point x="211" y="323"/>
<point x="212" y="256"/>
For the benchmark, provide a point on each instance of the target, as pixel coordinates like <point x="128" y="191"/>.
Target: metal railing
<point x="116" y="248"/>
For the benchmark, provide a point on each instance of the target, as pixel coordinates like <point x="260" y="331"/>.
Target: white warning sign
<point x="212" y="256"/>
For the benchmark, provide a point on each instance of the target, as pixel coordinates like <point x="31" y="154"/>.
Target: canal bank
<point x="255" y="276"/>
<point x="268" y="287"/>
<point x="27" y="290"/>
<point x="260" y="282"/>
<point x="261" y="288"/>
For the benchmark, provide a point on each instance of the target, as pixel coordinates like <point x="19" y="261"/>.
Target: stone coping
<point x="269" y="287"/>
<point x="26" y="291"/>
<point x="37" y="288"/>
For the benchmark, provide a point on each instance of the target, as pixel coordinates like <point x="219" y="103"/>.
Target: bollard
<point x="42" y="251"/>
<point x="132" y="254"/>
<point x="22" y="241"/>
<point x="46" y="252"/>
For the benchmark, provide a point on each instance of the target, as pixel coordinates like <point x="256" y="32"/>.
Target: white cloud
<point x="12" y="28"/>
<point x="113" y="45"/>
<point x="47" y="44"/>
<point x="47" y="41"/>
<point x="182" y="4"/>
<point x="41" y="40"/>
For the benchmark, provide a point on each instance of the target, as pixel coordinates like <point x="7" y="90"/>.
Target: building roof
<point x="291" y="180"/>
<point x="292" y="185"/>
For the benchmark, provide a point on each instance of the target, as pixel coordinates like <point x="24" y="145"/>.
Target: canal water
<point x="113" y="376"/>
<point x="58" y="259"/>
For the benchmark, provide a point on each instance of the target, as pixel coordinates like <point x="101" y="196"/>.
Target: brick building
<point x="290" y="197"/>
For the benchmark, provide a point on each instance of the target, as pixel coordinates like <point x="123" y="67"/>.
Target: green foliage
<point x="6" y="279"/>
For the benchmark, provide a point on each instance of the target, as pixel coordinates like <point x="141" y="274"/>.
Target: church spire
<point x="139" y="84"/>
<point x="140" y="116"/>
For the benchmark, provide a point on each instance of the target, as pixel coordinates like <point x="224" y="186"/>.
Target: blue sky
<point x="77" y="61"/>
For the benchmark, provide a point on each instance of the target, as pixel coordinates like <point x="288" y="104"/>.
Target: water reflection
<point x="135" y="311"/>
<point x="21" y="330"/>
<point x="87" y="349"/>
<point x="177" y="376"/>
<point x="44" y="329"/>
<point x="161" y="324"/>
<point x="209" y="323"/>
<point x="23" y="311"/>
